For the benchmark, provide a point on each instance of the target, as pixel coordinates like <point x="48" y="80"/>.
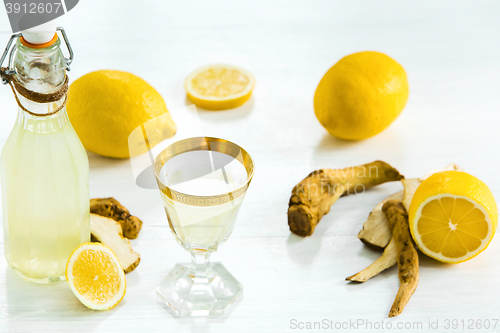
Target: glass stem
<point x="200" y="267"/>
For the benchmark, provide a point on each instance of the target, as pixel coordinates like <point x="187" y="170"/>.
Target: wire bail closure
<point x="11" y="46"/>
<point x="9" y="77"/>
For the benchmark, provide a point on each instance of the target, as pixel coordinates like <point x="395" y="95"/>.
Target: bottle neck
<point x="40" y="108"/>
<point x="40" y="70"/>
<point x="38" y="124"/>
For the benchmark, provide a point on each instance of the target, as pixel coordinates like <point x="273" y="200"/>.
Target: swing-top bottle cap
<point x="40" y="34"/>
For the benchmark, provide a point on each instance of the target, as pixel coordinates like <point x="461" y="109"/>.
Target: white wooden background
<point x="451" y="52"/>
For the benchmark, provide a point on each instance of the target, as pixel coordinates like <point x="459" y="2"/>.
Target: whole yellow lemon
<point x="361" y="95"/>
<point x="106" y="106"/>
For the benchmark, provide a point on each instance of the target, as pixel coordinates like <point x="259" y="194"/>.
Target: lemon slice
<point x="453" y="216"/>
<point x="219" y="87"/>
<point x="95" y="276"/>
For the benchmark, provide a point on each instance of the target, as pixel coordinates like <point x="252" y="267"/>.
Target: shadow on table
<point x="303" y="250"/>
<point x="383" y="144"/>
<point x="98" y="161"/>
<point x="33" y="303"/>
<point x="426" y="261"/>
<point x="331" y="143"/>
<point x="228" y="115"/>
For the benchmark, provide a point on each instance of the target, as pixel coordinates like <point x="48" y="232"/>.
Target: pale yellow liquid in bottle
<point x="45" y="196"/>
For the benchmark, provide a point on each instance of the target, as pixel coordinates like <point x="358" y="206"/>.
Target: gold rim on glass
<point x="200" y="144"/>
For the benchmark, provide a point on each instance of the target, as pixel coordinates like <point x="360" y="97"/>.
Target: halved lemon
<point x="95" y="276"/>
<point x="453" y="216"/>
<point x="219" y="87"/>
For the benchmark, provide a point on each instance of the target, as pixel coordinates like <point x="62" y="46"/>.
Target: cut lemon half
<point x="453" y="216"/>
<point x="95" y="276"/>
<point x="219" y="87"/>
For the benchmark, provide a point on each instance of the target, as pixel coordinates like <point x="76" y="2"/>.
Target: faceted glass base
<point x="210" y="294"/>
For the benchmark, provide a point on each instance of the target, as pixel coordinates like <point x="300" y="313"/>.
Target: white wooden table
<point x="451" y="52"/>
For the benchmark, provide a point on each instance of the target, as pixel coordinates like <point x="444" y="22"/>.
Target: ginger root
<point x="407" y="256"/>
<point x="110" y="207"/>
<point x="376" y="232"/>
<point x="410" y="187"/>
<point x="312" y="198"/>
<point x="386" y="260"/>
<point x="109" y="232"/>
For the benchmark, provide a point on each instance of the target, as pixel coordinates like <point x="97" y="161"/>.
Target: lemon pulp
<point x="453" y="216"/>
<point x="95" y="276"/>
<point x="218" y="87"/>
<point x="452" y="226"/>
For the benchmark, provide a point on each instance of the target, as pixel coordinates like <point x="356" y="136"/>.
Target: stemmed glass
<point x="203" y="181"/>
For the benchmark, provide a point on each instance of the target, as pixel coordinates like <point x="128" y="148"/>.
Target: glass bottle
<point x="44" y="173"/>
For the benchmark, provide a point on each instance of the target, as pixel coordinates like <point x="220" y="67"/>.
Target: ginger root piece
<point x="410" y="186"/>
<point x="376" y="232"/>
<point x="312" y="198"/>
<point x="407" y="256"/>
<point x="110" y="207"/>
<point x="109" y="232"/>
<point x="386" y="260"/>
